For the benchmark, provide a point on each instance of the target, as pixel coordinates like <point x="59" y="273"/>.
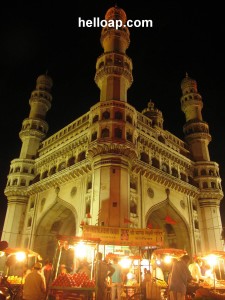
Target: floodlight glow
<point x="211" y="259"/>
<point x="125" y="263"/>
<point x="81" y="250"/>
<point x="168" y="259"/>
<point x="20" y="256"/>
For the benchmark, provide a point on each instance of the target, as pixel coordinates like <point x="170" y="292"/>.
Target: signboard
<point x="124" y="236"/>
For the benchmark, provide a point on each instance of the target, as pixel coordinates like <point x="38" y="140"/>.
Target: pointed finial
<point x="46" y="73"/>
<point x="186" y="75"/>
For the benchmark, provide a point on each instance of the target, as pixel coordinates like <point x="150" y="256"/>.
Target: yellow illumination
<point x="211" y="259"/>
<point x="20" y="256"/>
<point x="168" y="259"/>
<point x="81" y="250"/>
<point x="125" y="263"/>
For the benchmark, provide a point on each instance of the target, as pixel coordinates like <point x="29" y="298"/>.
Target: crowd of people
<point x="110" y="277"/>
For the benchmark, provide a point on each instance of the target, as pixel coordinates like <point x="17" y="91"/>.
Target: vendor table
<point x="71" y="293"/>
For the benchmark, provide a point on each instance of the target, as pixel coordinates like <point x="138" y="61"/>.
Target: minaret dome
<point x="44" y="82"/>
<point x="116" y="13"/>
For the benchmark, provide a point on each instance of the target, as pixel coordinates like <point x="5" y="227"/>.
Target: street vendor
<point x="67" y="257"/>
<point x="195" y="269"/>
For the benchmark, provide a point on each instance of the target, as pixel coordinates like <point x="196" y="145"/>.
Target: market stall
<point x="213" y="284"/>
<point x="129" y="244"/>
<point x="161" y="265"/>
<point x="74" y="280"/>
<point x="17" y="260"/>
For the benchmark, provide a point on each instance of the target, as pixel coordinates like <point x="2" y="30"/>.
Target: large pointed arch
<point x="59" y="219"/>
<point x="165" y="216"/>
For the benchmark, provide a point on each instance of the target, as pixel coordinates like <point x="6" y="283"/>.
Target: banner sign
<point x="124" y="236"/>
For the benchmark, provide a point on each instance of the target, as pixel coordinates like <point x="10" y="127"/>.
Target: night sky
<point x="43" y="36"/>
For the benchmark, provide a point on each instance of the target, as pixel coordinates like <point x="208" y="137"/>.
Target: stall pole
<point x="57" y="265"/>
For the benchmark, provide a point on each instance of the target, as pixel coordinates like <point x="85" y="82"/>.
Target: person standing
<point x="195" y="269"/>
<point x="47" y="271"/>
<point x="179" y="278"/>
<point x="117" y="280"/>
<point x="104" y="270"/>
<point x="67" y="257"/>
<point x="34" y="287"/>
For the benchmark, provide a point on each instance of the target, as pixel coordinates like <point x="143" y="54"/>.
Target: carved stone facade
<point x="114" y="164"/>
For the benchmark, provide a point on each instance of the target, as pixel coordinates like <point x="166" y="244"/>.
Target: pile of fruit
<point x="15" y="280"/>
<point x="74" y="280"/>
<point x="161" y="283"/>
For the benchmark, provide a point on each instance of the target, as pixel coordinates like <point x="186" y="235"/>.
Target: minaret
<point x="206" y="172"/>
<point x="113" y="134"/>
<point x="114" y="68"/>
<point x="34" y="130"/>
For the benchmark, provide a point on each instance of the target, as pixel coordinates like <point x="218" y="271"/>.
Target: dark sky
<point x="44" y="36"/>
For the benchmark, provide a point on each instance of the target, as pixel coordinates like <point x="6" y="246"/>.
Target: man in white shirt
<point x="195" y="269"/>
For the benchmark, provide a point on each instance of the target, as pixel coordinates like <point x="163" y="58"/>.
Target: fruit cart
<point x="213" y="285"/>
<point x="161" y="264"/>
<point x="15" y="261"/>
<point x="76" y="284"/>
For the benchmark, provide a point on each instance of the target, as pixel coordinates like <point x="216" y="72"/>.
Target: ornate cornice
<point x="169" y="181"/>
<point x="124" y="149"/>
<point x="61" y="177"/>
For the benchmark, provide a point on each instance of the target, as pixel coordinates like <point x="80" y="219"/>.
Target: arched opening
<point x="59" y="220"/>
<point x="176" y="232"/>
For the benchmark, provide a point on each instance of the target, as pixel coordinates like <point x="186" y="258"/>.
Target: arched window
<point x="129" y="119"/>
<point x="203" y="172"/>
<point x="106" y="115"/>
<point x="94" y="136"/>
<point x="161" y="139"/>
<point x="118" y="115"/>
<point x="213" y="185"/>
<point x="118" y="133"/>
<point x="155" y="163"/>
<point x="105" y="133"/>
<point x="95" y="119"/>
<point x="174" y="172"/>
<point x="129" y="137"/>
<point x="145" y="157"/>
<point x="52" y="170"/>
<point x="101" y="64"/>
<point x="81" y="156"/>
<point x="15" y="181"/>
<point x="23" y="182"/>
<point x="71" y="161"/>
<point x="45" y="174"/>
<point x="211" y="173"/>
<point x="183" y="177"/>
<point x="205" y="185"/>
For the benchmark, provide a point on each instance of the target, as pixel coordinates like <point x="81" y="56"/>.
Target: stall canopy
<point x="170" y="251"/>
<point x="28" y="252"/>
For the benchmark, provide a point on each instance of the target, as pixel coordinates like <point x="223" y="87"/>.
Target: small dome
<point x="188" y="82"/>
<point x="116" y="13"/>
<point x="45" y="80"/>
